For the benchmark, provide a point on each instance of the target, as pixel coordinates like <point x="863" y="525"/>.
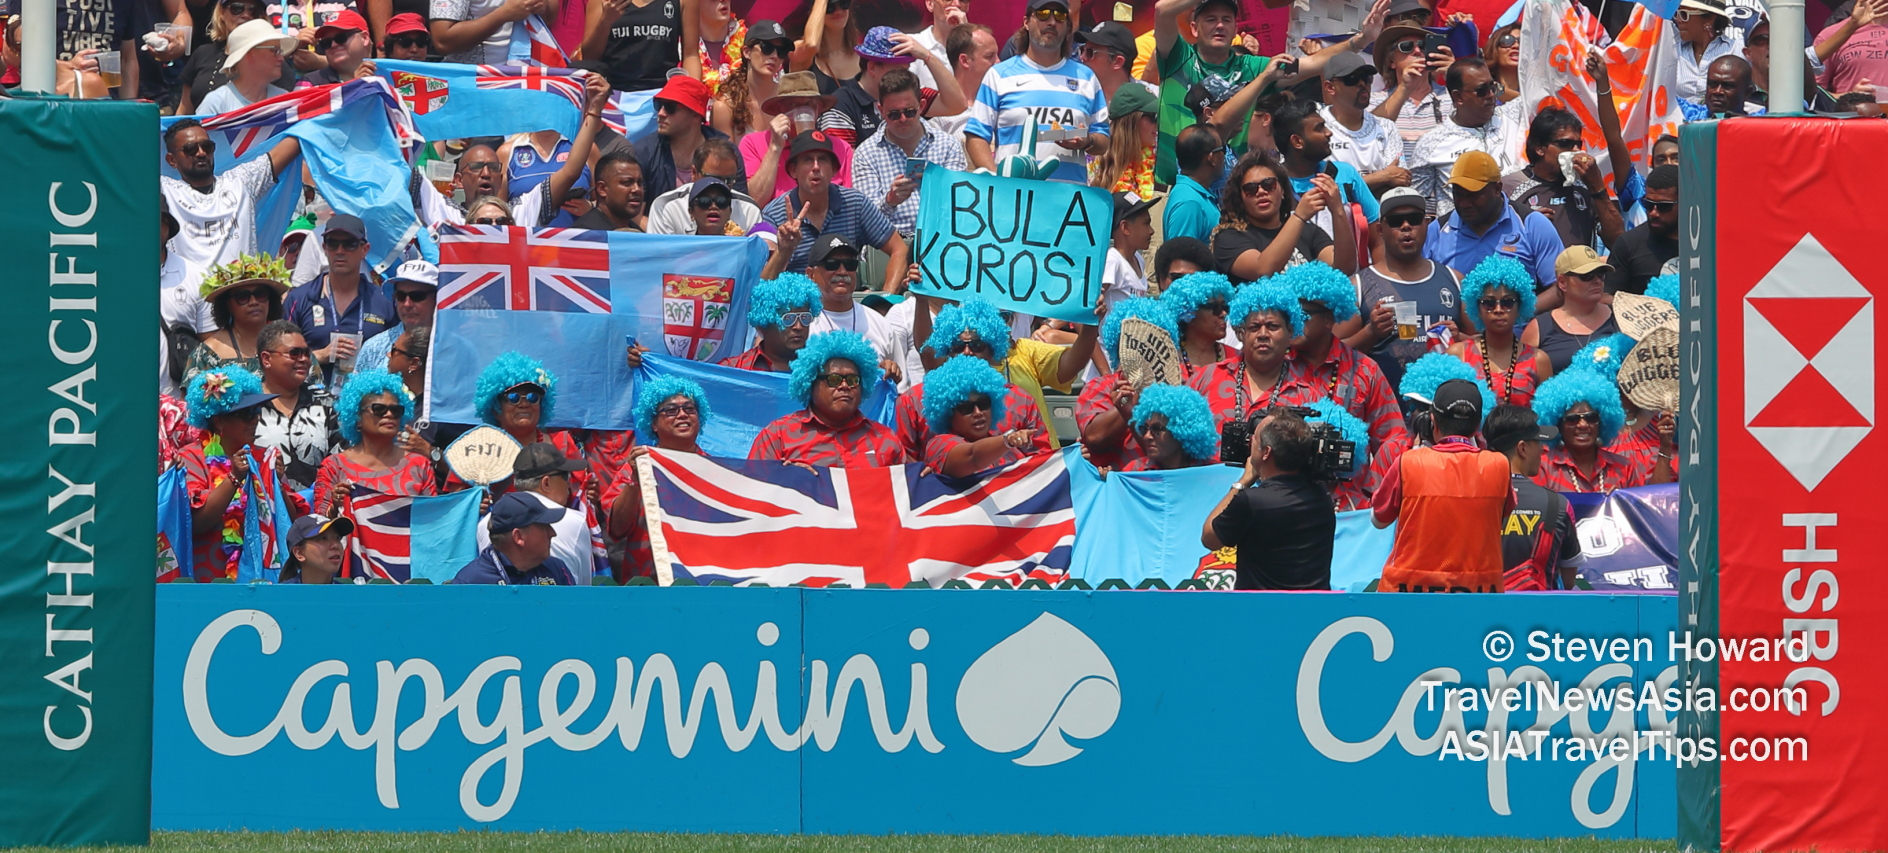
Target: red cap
<point x="405" y="22"/>
<point x="687" y="91"/>
<point x="344" y="21"/>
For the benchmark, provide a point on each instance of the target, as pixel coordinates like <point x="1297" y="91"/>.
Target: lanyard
<point x="327" y="297"/>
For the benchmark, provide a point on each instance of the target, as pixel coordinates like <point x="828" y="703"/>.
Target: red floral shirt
<point x="1219" y="384"/>
<point x="1096" y="400"/>
<point x="1516" y="387"/>
<point x="1613" y="471"/>
<point x="1641" y="448"/>
<point x="639" y="558"/>
<point x="1354" y="381"/>
<point x="1019" y="412"/>
<point x="940" y="446"/>
<point x="753" y="359"/>
<point x="802" y="437"/>
<point x="412" y="476"/>
<point x="174" y="432"/>
<point x="216" y="553"/>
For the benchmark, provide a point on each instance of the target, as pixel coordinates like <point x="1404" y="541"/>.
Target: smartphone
<point x="1287" y="67"/>
<point x="914" y="167"/>
<point x="1433" y="41"/>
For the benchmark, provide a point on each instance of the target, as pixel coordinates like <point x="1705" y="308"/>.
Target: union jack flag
<point x="499" y="267"/>
<point x="564" y="82"/>
<point x="532" y="42"/>
<point x="244" y="128"/>
<point x="746" y="522"/>
<point x="383" y="535"/>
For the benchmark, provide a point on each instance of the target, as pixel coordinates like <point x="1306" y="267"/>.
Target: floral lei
<point x="217" y="461"/>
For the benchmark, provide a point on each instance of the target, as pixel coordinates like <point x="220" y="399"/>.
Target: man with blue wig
<point x="832" y="377"/>
<point x="1324" y="367"/>
<point x="976" y="328"/>
<point x="1174" y="429"/>
<point x="782" y="313"/>
<point x="1267" y="316"/>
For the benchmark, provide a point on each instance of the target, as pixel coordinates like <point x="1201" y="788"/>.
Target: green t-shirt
<point x="1180" y="68"/>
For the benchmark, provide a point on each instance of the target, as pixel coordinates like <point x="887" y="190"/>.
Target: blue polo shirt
<point x="848" y="212"/>
<point x="491" y="567"/>
<point x="1191" y="212"/>
<point x="311" y="307"/>
<point x="1350" y="182"/>
<point x="1532" y="241"/>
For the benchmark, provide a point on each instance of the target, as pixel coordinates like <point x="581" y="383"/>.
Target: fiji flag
<point x="533" y="44"/>
<point x="498" y="267"/>
<point x="687" y="294"/>
<point x="745" y="401"/>
<point x="399" y="538"/>
<point x="451" y="101"/>
<point x="173" y="526"/>
<point x="265" y="522"/>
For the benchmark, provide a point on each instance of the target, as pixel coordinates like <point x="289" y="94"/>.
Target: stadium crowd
<point x="1373" y="232"/>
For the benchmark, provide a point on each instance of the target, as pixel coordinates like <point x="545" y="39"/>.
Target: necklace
<point x="1219" y="350"/>
<point x="1514" y="358"/>
<point x="1239" y="388"/>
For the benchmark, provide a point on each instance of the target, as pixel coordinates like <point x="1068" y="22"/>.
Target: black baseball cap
<point x="1127" y="204"/>
<point x="812" y="140"/>
<point x="542" y="459"/>
<point x="828" y="244"/>
<point x="1043" y="4"/>
<point x="1459" y="399"/>
<point x="1205" y="3"/>
<point x="349" y="224"/>
<point x="1112" y="35"/>
<point x="517" y="509"/>
<point x="1502" y="441"/>
<point x="766" y="31"/>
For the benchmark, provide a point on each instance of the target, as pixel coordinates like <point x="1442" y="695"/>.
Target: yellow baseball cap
<point x="1581" y="260"/>
<point x="1474" y="170"/>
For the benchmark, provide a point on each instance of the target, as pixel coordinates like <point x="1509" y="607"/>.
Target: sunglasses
<point x="669" y="410"/>
<point x="1507" y="303"/>
<point x="240" y="8"/>
<point x="847" y="264"/>
<point x="900" y="115"/>
<point x="522" y="397"/>
<point x="1660" y="206"/>
<point x="1252" y="188"/>
<point x="293" y="353"/>
<point x="1593" y="276"/>
<point x="796" y="318"/>
<point x="841" y="380"/>
<point x="322" y="45"/>
<point x="1684" y="15"/>
<point x="1214" y="307"/>
<point x="1485" y="90"/>
<point x="1153" y="430"/>
<point x="482" y="166"/>
<point x="343" y="244"/>
<point x="838" y="5"/>
<point x="979" y="404"/>
<point x="403" y="353"/>
<point x="773" y="48"/>
<point x="254" y="294"/>
<point x="1089" y="51"/>
<point x="412" y="295"/>
<point x="1056" y="15"/>
<point x="703" y="202"/>
<point x="1565" y="144"/>
<point x="669" y="107"/>
<point x="195" y="148"/>
<point x="1581" y="418"/>
<point x="974" y="345"/>
<point x="251" y="414"/>
<point x="1357" y="79"/>
<point x="381" y="410"/>
<point x="492" y="220"/>
<point x="1509" y="40"/>
<point x="406" y="42"/>
<point x="1406" y="46"/>
<point x="1403" y="220"/>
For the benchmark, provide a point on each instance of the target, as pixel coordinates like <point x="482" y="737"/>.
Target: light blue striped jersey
<point x="1017" y="92"/>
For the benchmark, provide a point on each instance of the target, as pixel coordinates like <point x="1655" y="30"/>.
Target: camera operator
<point x="1451" y="500"/>
<point x="1279" y="516"/>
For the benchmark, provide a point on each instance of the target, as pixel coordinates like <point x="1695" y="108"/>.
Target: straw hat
<point x="254" y="34"/>
<point x="799" y="84"/>
<point x="247" y="269"/>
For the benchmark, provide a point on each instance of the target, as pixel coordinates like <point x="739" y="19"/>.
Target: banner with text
<point x="1642" y="70"/>
<point x="1034" y="247"/>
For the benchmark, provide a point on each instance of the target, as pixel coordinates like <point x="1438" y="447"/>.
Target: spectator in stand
<point x="1757" y="51"/>
<point x="1199" y="302"/>
<point x="1108" y="49"/>
<point x="478" y="32"/>
<point x="834" y="268"/>
<point x="972" y="51"/>
<point x="516" y="394"/>
<point x="1177" y="258"/>
<point x="1578" y="205"/>
<point x="226" y="402"/>
<point x="1124" y="276"/>
<point x="375" y="410"/>
<point x="315" y="552"/>
<point x="1128" y="164"/>
<point x="1174" y="427"/>
<point x="617" y="197"/>
<point x="186" y="317"/>
<point x="856" y="114"/>
<point x="1304" y="138"/>
<point x="640" y="43"/>
<point x="752" y="81"/>
<point x="965" y="397"/>
<point x="406" y="38"/>
<point x="1855" y="49"/>
<point x="1029" y="365"/>
<point x="816" y="209"/>
<point x="1402" y="274"/>
<point x="1268" y="316"/>
<point x="1192" y="209"/>
<point x="722" y="37"/>
<point x="1585" y="406"/>
<point x="203" y="72"/>
<point x="831" y="377"/>
<point x="795" y="109"/>
<point x="1483" y="223"/>
<point x="1105" y="410"/>
<point x="407" y="360"/>
<point x="1727" y="88"/>
<point x="1326" y="368"/>
<point x="1449" y="503"/>
<point x="254" y="63"/>
<point x="881" y="168"/>
<point x="346" y="43"/>
<point x="415" y="287"/>
<point x="244" y="295"/>
<point x="542" y="472"/>
<point x="1408" y="93"/>
<point x="681" y="116"/>
<point x="478" y="174"/>
<point x="1644" y="251"/>
<point x="299" y="422"/>
<point x="1040" y="98"/>
<point x="1365" y="142"/>
<point x="1279" y="518"/>
<point x="1540" y="548"/>
<point x="710" y="201"/>
<point x="1504" y="60"/>
<point x="217" y="212"/>
<point x="531" y="158"/>
<point x="833" y="32"/>
<point x="1477" y="125"/>
<point x="1498" y="297"/>
<point x="1265" y="227"/>
<point x="295" y="239"/>
<point x="341" y="307"/>
<point x="520" y="550"/>
<point x="1704" y="34"/>
<point x="1647" y="440"/>
<point x="1584" y="313"/>
<point x="1665" y="151"/>
<point x="946" y="15"/>
<point x="672" y="410"/>
<point x="782" y="312"/>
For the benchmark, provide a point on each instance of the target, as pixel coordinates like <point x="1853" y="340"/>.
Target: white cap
<point x="254" y="34"/>
<point x="417" y="271"/>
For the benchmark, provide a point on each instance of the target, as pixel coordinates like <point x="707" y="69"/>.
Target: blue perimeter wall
<point x="1092" y="713"/>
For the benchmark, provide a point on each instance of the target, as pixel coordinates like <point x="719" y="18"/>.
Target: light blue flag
<point x="174" y="558"/>
<point x="265" y="533"/>
<point x="444" y="534"/>
<point x="448" y="101"/>
<point x="585" y="352"/>
<point x="277" y="206"/>
<point x="686" y="294"/>
<point x="1034" y="247"/>
<point x="358" y="166"/>
<point x="744" y="401"/>
<point x="1359" y="552"/>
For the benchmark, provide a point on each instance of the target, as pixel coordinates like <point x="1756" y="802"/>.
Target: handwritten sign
<point x="1638" y="316"/>
<point x="1148" y="355"/>
<point x="1649" y="378"/>
<point x="483" y="455"/>
<point x="1035" y="247"/>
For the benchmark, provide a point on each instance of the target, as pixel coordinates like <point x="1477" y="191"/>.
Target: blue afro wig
<point x="655" y="392"/>
<point x="1422" y="378"/>
<point x="1322" y="283"/>
<point x="509" y="371"/>
<point x="359" y="387"/>
<point x="1499" y="272"/>
<point x="1187" y="293"/>
<point x="1349" y="426"/>
<point x="958" y="380"/>
<point x="1145" y="308"/>
<point x="770" y="299"/>
<point x="1664" y="287"/>
<point x="975" y="316"/>
<point x="1563" y="392"/>
<point x="1267" y="294"/>
<point x="215" y="391"/>
<point x="1603" y="356"/>
<point x="1188" y="418"/>
<point x="824" y="347"/>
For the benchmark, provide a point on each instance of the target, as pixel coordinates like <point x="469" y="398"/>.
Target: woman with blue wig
<point x="374" y="409"/>
<point x="1200" y="302"/>
<point x="1585" y="407"/>
<point x="831" y="377"/>
<point x="1106" y="405"/>
<point x="1498" y="297"/>
<point x="1174" y="428"/>
<point x="225" y="401"/>
<point x="1327" y="368"/>
<point x="516" y="394"/>
<point x="1649" y="440"/>
<point x="781" y="311"/>
<point x="672" y="410"/>
<point x="1268" y="316"/>
<point x="975" y="327"/>
<point x="964" y="403"/>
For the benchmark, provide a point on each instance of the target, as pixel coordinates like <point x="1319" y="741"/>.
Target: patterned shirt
<point x="1514" y="386"/>
<point x="1354" y="381"/>
<point x="1096" y="400"/>
<point x="306" y="435"/>
<point x="639" y="557"/>
<point x="803" y="437"/>
<point x="1641" y="448"/>
<point x="1219" y="384"/>
<point x="940" y="446"/>
<point x="1613" y="471"/>
<point x="174" y="432"/>
<point x="1019" y="412"/>
<point x="848" y="212"/>
<point x="754" y="359"/>
<point x="413" y="476"/>
<point x="878" y="161"/>
<point x="1017" y="93"/>
<point x="215" y="553"/>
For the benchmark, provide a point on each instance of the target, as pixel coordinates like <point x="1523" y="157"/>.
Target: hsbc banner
<point x="864" y="711"/>
<point x="1782" y="274"/>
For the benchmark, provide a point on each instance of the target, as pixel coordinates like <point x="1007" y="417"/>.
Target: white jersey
<point x="218" y="226"/>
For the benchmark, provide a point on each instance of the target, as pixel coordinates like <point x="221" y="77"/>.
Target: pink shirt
<point x="754" y="150"/>
<point x="1864" y="55"/>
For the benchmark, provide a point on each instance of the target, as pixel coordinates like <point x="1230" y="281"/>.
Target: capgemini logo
<point x="1041" y="683"/>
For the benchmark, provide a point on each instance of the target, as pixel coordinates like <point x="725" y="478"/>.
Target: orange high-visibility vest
<point x="1448" y="533"/>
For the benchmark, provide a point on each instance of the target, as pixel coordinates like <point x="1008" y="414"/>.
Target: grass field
<point x="500" y="842"/>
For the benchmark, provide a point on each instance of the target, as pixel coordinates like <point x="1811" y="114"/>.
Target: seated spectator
<point x="1585" y="407"/>
<point x="295" y="238"/>
<point x="616" y="200"/>
<point x="1105" y="410"/>
<point x="407" y="360"/>
<point x="668" y="155"/>
<point x="673" y="411"/>
<point x="516" y="394"/>
<point x="671" y="213"/>
<point x="1448" y="502"/>
<point x="1540" y="548"/>
<point x="1268" y="316"/>
<point x="374" y="410"/>
<point x="225" y="402"/>
<point x="203" y="72"/>
<point x="1482" y="222"/>
<point x="1265" y="227"/>
<point x="1177" y="258"/>
<point x="415" y="289"/>
<point x="1409" y="94"/>
<point x="964" y="397"/>
<point x="781" y="312"/>
<point x="1278" y="517"/>
<point x="756" y="60"/>
<point x="816" y="208"/>
<point x="832" y="377"/>
<point x="976" y="328"/>
<point x="1369" y="143"/>
<point x="856" y="114"/>
<point x="345" y="42"/>
<point x="1584" y="314"/>
<point x="341" y="308"/>
<point x="254" y="62"/>
<point x="520" y="549"/>
<point x="1498" y="297"/>
<point x="1326" y="368"/>
<point x="881" y="168"/>
<point x="710" y="203"/>
<point x="315" y="551"/>
<point x="1704" y="33"/>
<point x="298" y="422"/>
<point x="795" y="109"/>
<point x="1199" y="302"/>
<point x="1478" y="126"/>
<point x="406" y="38"/>
<point x="542" y="472"/>
<point x="244" y="295"/>
<point x="1174" y="428"/>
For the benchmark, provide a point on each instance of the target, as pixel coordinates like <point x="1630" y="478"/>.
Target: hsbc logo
<point x="1809" y="362"/>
